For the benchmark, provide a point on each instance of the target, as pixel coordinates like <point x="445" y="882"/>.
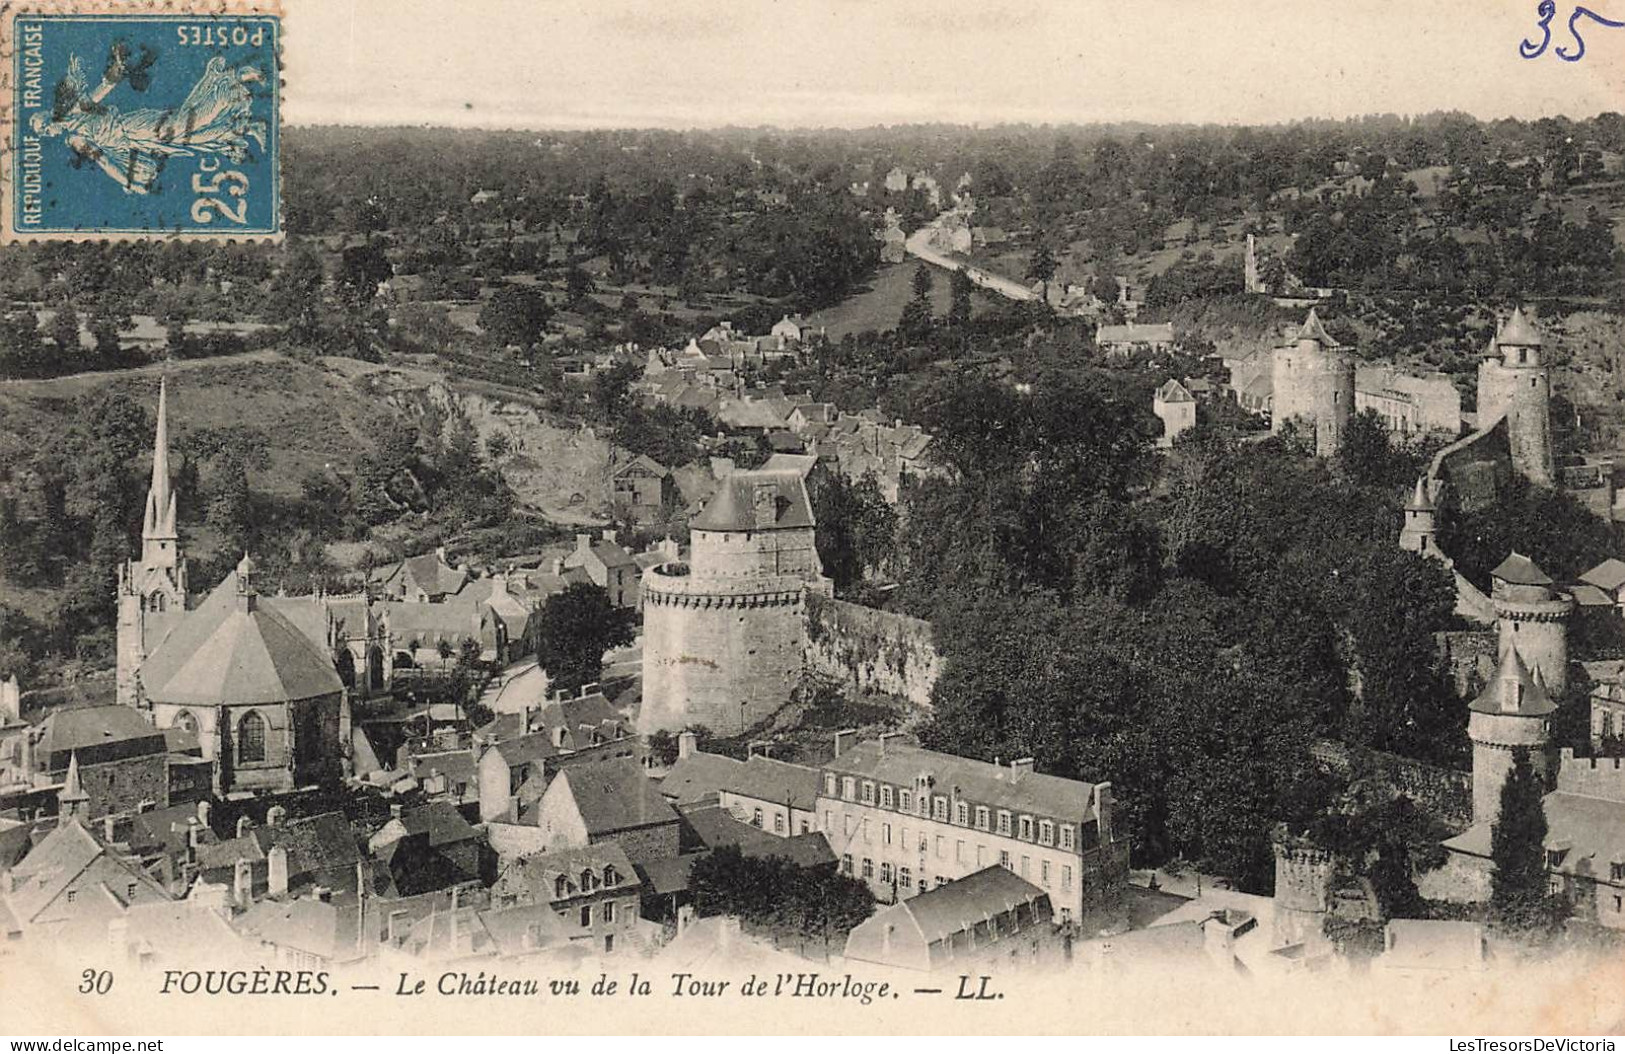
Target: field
<point x="879" y="306"/>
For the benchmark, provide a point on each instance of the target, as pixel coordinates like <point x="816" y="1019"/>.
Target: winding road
<point x="919" y="246"/>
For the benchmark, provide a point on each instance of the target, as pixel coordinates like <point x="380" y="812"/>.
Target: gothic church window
<point x="251" y="737"/>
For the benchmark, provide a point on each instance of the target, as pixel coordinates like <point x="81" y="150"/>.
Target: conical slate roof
<point x="1420" y="502"/>
<point x="1513" y="692"/>
<point x="1519" y="570"/>
<point x="159" y="518"/>
<point x="1313" y="330"/>
<point x="72" y="788"/>
<point x="1519" y="331"/>
<point x="233" y="650"/>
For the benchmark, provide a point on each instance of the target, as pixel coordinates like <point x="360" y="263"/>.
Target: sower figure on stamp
<point x="215" y="118"/>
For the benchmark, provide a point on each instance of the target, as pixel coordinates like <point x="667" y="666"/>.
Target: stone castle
<point x="1513" y="433"/>
<point x="724" y="634"/>
<point x="1513" y="385"/>
<point x="1313" y="385"/>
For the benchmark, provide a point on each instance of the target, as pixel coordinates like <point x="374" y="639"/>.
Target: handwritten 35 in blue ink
<point x="1547" y="10"/>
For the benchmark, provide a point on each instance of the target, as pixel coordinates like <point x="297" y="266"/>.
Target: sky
<point x="572" y="64"/>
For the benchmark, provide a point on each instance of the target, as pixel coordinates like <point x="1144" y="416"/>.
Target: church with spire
<point x="152" y="590"/>
<point x="261" y="693"/>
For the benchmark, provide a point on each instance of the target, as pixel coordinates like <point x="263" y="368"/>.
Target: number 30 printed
<point x="234" y="185"/>
<point x="95" y="982"/>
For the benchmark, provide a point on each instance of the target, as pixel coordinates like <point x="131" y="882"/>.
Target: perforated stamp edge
<point x="12" y="10"/>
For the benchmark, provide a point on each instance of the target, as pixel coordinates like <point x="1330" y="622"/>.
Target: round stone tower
<point x="1509" y="715"/>
<point x="1532" y="617"/>
<point x="1418" y="534"/>
<point x="1313" y="381"/>
<point x="1303" y="889"/>
<point x="723" y="635"/>
<point x="1513" y="383"/>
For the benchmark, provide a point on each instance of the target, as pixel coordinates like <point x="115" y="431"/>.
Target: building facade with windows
<point x="593" y="890"/>
<point x="905" y="820"/>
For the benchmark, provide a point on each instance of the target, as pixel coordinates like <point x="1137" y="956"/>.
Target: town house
<point x="906" y="820"/>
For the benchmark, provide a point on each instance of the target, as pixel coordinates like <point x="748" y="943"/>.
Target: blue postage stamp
<point x="133" y="125"/>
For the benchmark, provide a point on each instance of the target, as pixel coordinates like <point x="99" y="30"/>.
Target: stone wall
<point x="121" y="786"/>
<point x="511" y="840"/>
<point x="1446" y="794"/>
<point x="1476" y="467"/>
<point x="719" y="652"/>
<point x="1591" y="777"/>
<point x="871" y="651"/>
<point x="1470" y="657"/>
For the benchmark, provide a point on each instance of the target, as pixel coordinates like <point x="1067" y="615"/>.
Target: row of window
<point x="587" y="882"/>
<point x="903" y="877"/>
<point x="250" y="734"/>
<point x="937" y="807"/>
<point x="778" y="822"/>
<point x="129" y="893"/>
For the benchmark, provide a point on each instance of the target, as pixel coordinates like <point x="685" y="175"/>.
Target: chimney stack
<point x="844" y="739"/>
<point x="203" y="808"/>
<point x="275" y="816"/>
<point x="610" y="535"/>
<point x="583" y="542"/>
<point x="11" y="701"/>
<point x="395" y="810"/>
<point x="765" y="504"/>
<point x="1020" y="767"/>
<point x="276" y="862"/>
<point x="687" y="743"/>
<point x="242" y="882"/>
<point x="244" y="825"/>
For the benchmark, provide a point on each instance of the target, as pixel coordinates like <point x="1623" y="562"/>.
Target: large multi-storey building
<point x="906" y="820"/>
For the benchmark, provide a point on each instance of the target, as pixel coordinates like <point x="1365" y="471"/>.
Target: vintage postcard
<point x="536" y="518"/>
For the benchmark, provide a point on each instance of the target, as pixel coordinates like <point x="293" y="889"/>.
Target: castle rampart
<point x="724" y="635"/>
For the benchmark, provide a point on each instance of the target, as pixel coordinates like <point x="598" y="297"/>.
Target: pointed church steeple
<point x="158" y="533"/>
<point x="73" y="803"/>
